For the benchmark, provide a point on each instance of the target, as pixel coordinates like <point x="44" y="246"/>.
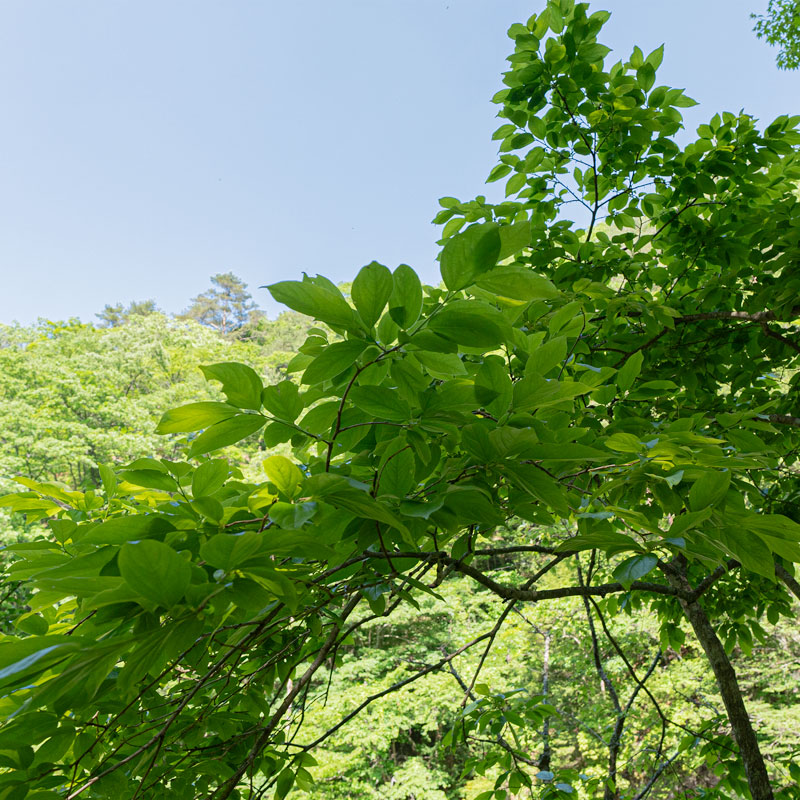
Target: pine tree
<point x="227" y="307"/>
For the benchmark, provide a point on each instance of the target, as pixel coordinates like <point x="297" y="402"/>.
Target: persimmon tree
<point x="625" y="383"/>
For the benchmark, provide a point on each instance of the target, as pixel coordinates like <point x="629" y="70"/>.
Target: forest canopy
<point x="529" y="532"/>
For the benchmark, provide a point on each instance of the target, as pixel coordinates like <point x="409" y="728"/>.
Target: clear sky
<point x="148" y="144"/>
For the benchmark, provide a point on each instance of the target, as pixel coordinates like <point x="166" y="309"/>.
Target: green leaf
<point x="122" y="529"/>
<point x="546" y="356"/>
<point x="210" y="508"/>
<point x="540" y="485"/>
<point x="709" y="489"/>
<point x="155" y="571"/>
<point x="493" y="387"/>
<point x="624" y="443"/>
<point x="333" y="360"/>
<point x="609" y="541"/>
<point x="405" y="302"/>
<point x="467" y="255"/>
<point x="362" y="505"/>
<point x="691" y="519"/>
<point x="568" y="451"/>
<point x="441" y="365"/>
<point x="646" y="76"/>
<point x="240" y="383"/>
<point x="284" y="474"/>
<point x="29" y="728"/>
<point x="470" y="324"/>
<point x="315" y="301"/>
<point x="380" y="403"/>
<point x="209" y="477"/>
<point x="109" y="479"/>
<point x="292" y="515"/>
<point x="634" y="568"/>
<point x="371" y="291"/>
<point x="149" y="479"/>
<point x="517" y="283"/>
<point x="656" y="57"/>
<point x="318" y="420"/>
<point x="397" y="475"/>
<point x="750" y="550"/>
<point x="21" y="657"/>
<point x="283" y="400"/>
<point x="514" y="238"/>
<point x="781" y="534"/>
<point x="498" y="172"/>
<point x="194" y="417"/>
<point x="630" y="371"/>
<point x="535" y="392"/>
<point x="227" y="550"/>
<point x="227" y="432"/>
<point x="34" y="624"/>
<point x="284" y="784"/>
<point x="471" y="506"/>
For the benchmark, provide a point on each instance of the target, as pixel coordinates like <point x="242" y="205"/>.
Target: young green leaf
<point x="228" y="550"/>
<point x="372" y="288"/>
<point x="315" y="301"/>
<point x="209" y="477"/>
<point x="380" y="402"/>
<point x="630" y="371"/>
<point x="284" y="474"/>
<point x="709" y="489"/>
<point x="469" y="254"/>
<point x="155" y="571"/>
<point x="282" y="400"/>
<point x="405" y="301"/>
<point x="334" y="359"/>
<point x="634" y="568"/>
<point x="240" y="383"/>
<point x="195" y="417"/>
<point x="227" y="432"/>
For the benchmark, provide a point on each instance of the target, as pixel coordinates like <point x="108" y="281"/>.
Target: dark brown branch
<point x="532" y="595"/>
<point x="756" y="316"/>
<point x="728" y="683"/>
<point x="775" y="335"/>
<point x="711" y="579"/>
<point x="788" y="579"/>
<point x="784" y="419"/>
<point x="225" y="789"/>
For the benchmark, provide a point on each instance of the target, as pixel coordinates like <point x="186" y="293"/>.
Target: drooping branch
<point x="225" y="789"/>
<point x="535" y="595"/>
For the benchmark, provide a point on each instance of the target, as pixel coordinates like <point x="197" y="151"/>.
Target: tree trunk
<point x="544" y="761"/>
<point x="754" y="766"/>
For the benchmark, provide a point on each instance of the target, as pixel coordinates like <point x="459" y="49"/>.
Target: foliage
<point x="76" y="396"/>
<point x="625" y="390"/>
<point x="781" y="26"/>
<point x="111" y="316"/>
<point x="227" y="307"/>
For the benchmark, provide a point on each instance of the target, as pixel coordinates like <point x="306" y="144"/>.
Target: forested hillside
<point x="76" y="395"/>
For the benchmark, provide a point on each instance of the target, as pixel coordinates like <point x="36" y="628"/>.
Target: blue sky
<point x="148" y="145"/>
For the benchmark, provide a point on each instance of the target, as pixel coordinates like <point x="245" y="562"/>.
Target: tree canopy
<point x="611" y="358"/>
<point x="781" y="26"/>
<point x="227" y="307"/>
